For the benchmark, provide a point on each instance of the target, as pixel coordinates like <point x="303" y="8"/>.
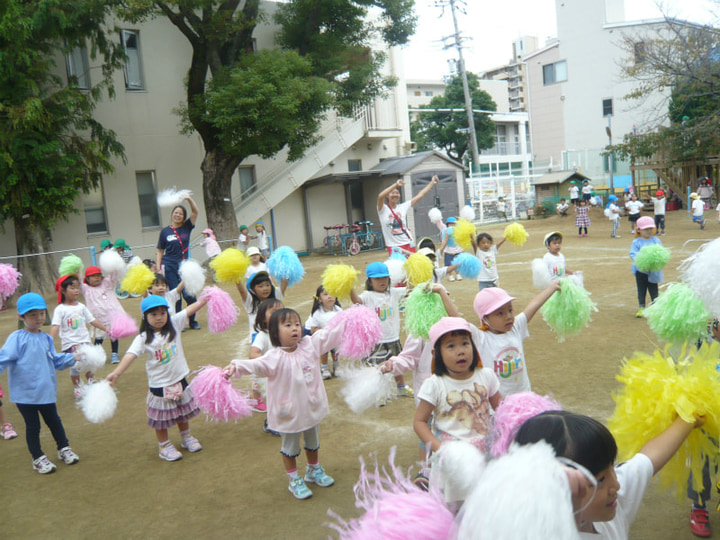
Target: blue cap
<point x="612" y="198"/>
<point x="377" y="270"/>
<point x="29" y="301"/>
<point x="153" y="301"/>
<point x="260" y="223"/>
<point x="451" y="220"/>
<point x="250" y="280"/>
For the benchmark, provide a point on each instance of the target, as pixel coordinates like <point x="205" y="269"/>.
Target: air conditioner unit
<point x="411" y="146"/>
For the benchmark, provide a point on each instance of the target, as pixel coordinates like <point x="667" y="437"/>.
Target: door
<point x="443" y="196"/>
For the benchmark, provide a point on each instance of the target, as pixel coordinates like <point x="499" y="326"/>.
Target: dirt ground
<point x="236" y="486"/>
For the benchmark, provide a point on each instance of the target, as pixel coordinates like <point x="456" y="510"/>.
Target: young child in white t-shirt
<point x="698" y="206"/>
<point x="555" y="260"/>
<point x="324" y="308"/>
<point x="486" y="252"/>
<point x="613" y="214"/>
<point x="659" y="209"/>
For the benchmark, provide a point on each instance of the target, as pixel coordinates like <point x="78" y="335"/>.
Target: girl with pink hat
<point x="645" y="281"/>
<point x="212" y="248"/>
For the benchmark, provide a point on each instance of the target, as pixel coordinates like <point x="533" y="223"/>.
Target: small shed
<point x="554" y="186"/>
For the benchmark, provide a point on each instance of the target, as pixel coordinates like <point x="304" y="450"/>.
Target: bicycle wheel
<point x="370" y="240"/>
<point x="353" y="246"/>
<point x="336" y="241"/>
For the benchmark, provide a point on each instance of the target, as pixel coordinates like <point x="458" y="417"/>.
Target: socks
<point x="313" y="466"/>
<point x="185" y="434"/>
<point x="293" y="474"/>
<point x="164" y="444"/>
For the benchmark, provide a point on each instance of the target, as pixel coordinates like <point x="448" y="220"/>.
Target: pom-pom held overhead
<point x="569" y="310"/>
<point x="516" y="234"/>
<point x="9" y="279"/>
<point x="285" y="264"/>
<point x="366" y="387"/>
<point x="172" y="197"/>
<point x="467" y="212"/>
<point x="362" y="330"/>
<point x="677" y="315"/>
<point x="463" y="232"/>
<point x="138" y="279"/>
<point x="469" y="265"/>
<point x="193" y="275"/>
<point x="222" y="312"/>
<point x="92" y="357"/>
<point x="512" y="413"/>
<point x="541" y="274"/>
<point x="656" y="389"/>
<point x="423" y="308"/>
<point x="418" y="269"/>
<point x="217" y="397"/>
<point x="339" y="279"/>
<point x="112" y="264"/>
<point x="700" y="271"/>
<point x="71" y="264"/>
<point x="652" y="258"/>
<point x="98" y="402"/>
<point x="122" y="325"/>
<point x="230" y="265"/>
<point x="396" y="268"/>
<point x="435" y="215"/>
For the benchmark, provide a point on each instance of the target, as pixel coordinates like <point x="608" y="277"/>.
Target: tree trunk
<point x="39" y="271"/>
<point x="217" y="169"/>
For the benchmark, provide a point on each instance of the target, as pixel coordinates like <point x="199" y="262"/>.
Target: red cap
<point x="92" y="271"/>
<point x="59" y="282"/>
<point x="659" y="193"/>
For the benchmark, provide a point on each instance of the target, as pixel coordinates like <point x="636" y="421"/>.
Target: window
<point x="354" y="165"/>
<point x="78" y="69"/>
<point x="640" y="52"/>
<point x="428" y="93"/>
<point x="94" y="204"/>
<point x="418" y="93"/>
<point x="133" y="64"/>
<point x="555" y="73"/>
<point x="607" y="107"/>
<point x="248" y="183"/>
<point x="147" y="198"/>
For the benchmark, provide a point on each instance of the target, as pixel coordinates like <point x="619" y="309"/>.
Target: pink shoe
<point x="260" y="406"/>
<point x="8" y="432"/>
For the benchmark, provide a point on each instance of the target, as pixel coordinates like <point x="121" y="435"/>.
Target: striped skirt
<point x="164" y="413"/>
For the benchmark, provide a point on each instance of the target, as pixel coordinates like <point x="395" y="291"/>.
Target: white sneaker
<point x="451" y="278"/>
<point x="170" y="453"/>
<point x="43" y="465"/>
<point x="325" y="371"/>
<point x="459" y="278"/>
<point x="114" y="358"/>
<point x="68" y="456"/>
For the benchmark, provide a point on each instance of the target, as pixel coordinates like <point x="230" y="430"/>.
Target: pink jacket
<point x="416" y="356"/>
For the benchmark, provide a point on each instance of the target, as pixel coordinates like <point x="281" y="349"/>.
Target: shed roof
<point x="559" y="177"/>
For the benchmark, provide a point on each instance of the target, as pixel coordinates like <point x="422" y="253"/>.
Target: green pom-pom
<point x="569" y="310"/>
<point x="422" y="309"/>
<point x="678" y="314"/>
<point x="71" y="264"/>
<point x="652" y="258"/>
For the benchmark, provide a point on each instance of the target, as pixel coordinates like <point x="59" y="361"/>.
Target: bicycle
<point x="333" y="241"/>
<point x="368" y="237"/>
<point x="351" y="241"/>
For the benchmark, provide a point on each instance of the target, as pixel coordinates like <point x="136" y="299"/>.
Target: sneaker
<point x="77" y="392"/>
<point x="451" y="278"/>
<point x="43" y="465"/>
<point x="68" y="456"/>
<point x="8" y="432"/>
<point x="272" y="432"/>
<point x="318" y="476"/>
<point x="639" y="313"/>
<point x="617" y="236"/>
<point x="325" y="371"/>
<point x="114" y="358"/>
<point x="405" y="391"/>
<point x="421" y="481"/>
<point x="699" y="522"/>
<point x="191" y="444"/>
<point x="259" y="406"/>
<point x="169" y="453"/>
<point x="195" y="325"/>
<point x="298" y="488"/>
<point x="459" y="278"/>
<point x="337" y="370"/>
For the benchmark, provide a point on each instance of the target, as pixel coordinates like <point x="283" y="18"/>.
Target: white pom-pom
<point x="396" y="268"/>
<point x="435" y="215"/>
<point x="172" y="197"/>
<point x="467" y="212"/>
<point x="135" y="261"/>
<point x="456" y="468"/>
<point x="112" y="264"/>
<point x="577" y="278"/>
<point x="98" y="402"/>
<point x="92" y="357"/>
<point x="541" y="274"/>
<point x="700" y="272"/>
<point x="193" y="275"/>
<point x="366" y="387"/>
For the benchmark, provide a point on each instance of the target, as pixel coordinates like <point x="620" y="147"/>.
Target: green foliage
<point x="447" y="131"/>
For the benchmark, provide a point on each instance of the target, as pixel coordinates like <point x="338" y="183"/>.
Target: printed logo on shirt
<point x="509" y="362"/>
<point x="171" y="237"/>
<point x="75" y="321"/>
<point x="166" y="353"/>
<point x="384" y="312"/>
<point x="488" y="262"/>
<point x="557" y="271"/>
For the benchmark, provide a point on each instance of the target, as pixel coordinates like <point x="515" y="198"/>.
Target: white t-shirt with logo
<point x="387" y="307"/>
<point x="72" y="322"/>
<point x="555" y="265"/>
<point x="488" y="267"/>
<point x="395" y="233"/>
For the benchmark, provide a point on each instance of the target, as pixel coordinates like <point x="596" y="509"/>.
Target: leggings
<point x="615" y="223"/>
<point x="114" y="345"/>
<point x="32" y="426"/>
<point x="644" y="286"/>
<point x="580" y="230"/>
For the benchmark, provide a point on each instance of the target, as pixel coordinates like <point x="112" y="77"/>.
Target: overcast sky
<point x="494" y="24"/>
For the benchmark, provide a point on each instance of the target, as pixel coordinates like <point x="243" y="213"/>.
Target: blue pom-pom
<point x="469" y="265"/>
<point x="285" y="264"/>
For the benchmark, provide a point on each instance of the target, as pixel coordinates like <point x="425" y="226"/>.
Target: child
<point x="608" y="511"/>
<point x="31" y="360"/>
<point x="614" y="212"/>
<point x="169" y="399"/>
<point x="645" y="281"/>
<point x="587" y="192"/>
<point x="152" y="265"/>
<point x="7" y="430"/>
<point x="562" y="208"/>
<point x="123" y="250"/>
<point x="500" y="341"/>
<point x="438" y="273"/>
<point x="260" y="345"/>
<point x="324" y="308"/>
<point x="697" y="210"/>
<point x="385" y="301"/>
<point x="574" y="193"/>
<point x="212" y="248"/>
<point x="257" y="262"/>
<point x="633" y="206"/>
<point x="69" y="320"/>
<point x="297" y="401"/>
<point x="262" y="239"/>
<point x="449" y="248"/>
<point x="659" y="204"/>
<point x="555" y="260"/>
<point x="159" y="287"/>
<point x="244" y="238"/>
<point x="105" y="245"/>
<point x="502" y="209"/>
<point x="460" y="393"/>
<point x="259" y="288"/>
<point x="99" y="293"/>
<point x="486" y="251"/>
<point x="582" y="220"/>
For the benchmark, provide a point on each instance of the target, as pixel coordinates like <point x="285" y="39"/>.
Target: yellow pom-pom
<point x="463" y="233"/>
<point x="339" y="279"/>
<point x="516" y="234"/>
<point x="138" y="279"/>
<point x="658" y="388"/>
<point x="230" y="265"/>
<point x="418" y="269"/>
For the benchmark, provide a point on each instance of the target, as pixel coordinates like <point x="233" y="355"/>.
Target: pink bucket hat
<point x="645" y="222"/>
<point x="445" y="325"/>
<point x="490" y="299"/>
<point x="210" y="233"/>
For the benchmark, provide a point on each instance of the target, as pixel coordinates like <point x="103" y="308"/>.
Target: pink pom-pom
<point x="222" y="311"/>
<point x="512" y="412"/>
<point x="122" y="325"/>
<point x="9" y="280"/>
<point x="217" y="397"/>
<point x="362" y="331"/>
